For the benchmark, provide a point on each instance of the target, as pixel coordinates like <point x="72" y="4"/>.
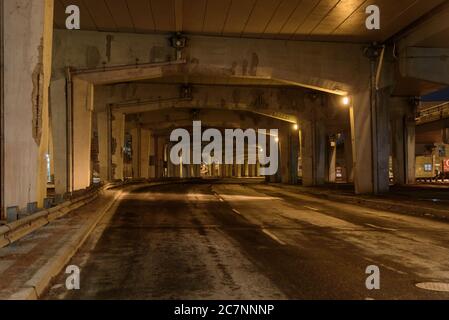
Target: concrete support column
<point x="313" y="149"/>
<point x="160" y="156"/>
<point x="197" y="170"/>
<point x="144" y="154"/>
<point x="27" y="58"/>
<point x="371" y="145"/>
<point x="294" y="155"/>
<point x="403" y="140"/>
<point x="104" y="144"/>
<point x="348" y="158"/>
<point x="246" y="164"/>
<point x="284" y="163"/>
<point x="152" y="155"/>
<point x="238" y="170"/>
<point x="170" y="166"/>
<point x="118" y="141"/>
<point x="59" y="127"/>
<point x="332" y="162"/>
<point x="82" y="108"/>
<point x="135" y="139"/>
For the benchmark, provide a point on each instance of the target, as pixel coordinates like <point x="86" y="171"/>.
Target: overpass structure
<point x="99" y="103"/>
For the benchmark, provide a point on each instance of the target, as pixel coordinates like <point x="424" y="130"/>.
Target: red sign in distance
<point x="446" y="165"/>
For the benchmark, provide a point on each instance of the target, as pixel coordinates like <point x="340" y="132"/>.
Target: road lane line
<point x="236" y="211"/>
<point x="311" y="208"/>
<point x="381" y="228"/>
<point x="385" y="266"/>
<point x="274" y="237"/>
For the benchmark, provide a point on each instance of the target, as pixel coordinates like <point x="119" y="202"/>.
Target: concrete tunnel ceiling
<point x="314" y="20"/>
<point x="328" y="20"/>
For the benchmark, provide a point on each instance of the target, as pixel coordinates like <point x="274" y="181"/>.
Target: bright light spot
<point x="276" y="139"/>
<point x="295" y="127"/>
<point x="346" y="101"/>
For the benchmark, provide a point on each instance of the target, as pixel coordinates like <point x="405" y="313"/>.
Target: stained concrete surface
<point x="206" y="241"/>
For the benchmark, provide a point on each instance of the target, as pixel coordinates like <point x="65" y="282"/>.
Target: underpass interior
<point x="95" y="172"/>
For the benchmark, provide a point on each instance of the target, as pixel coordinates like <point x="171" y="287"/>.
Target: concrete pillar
<point x="144" y="154"/>
<point x="370" y="138"/>
<point x="246" y="164"/>
<point x="348" y="158"/>
<point x="160" y="149"/>
<point x="228" y="170"/>
<point x="238" y="170"/>
<point x="27" y="30"/>
<point x="313" y="149"/>
<point x="82" y="108"/>
<point x="152" y="155"/>
<point x="135" y="142"/>
<point x="104" y="144"/>
<point x="59" y="126"/>
<point x="118" y="141"/>
<point x="403" y="140"/>
<point x="197" y="170"/>
<point x="294" y="155"/>
<point x="284" y="163"/>
<point x="332" y="162"/>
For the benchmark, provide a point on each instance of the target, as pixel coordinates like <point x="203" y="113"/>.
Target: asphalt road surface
<point x="223" y="241"/>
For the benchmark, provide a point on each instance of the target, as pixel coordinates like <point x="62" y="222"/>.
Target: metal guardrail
<point x="432" y="114"/>
<point x="14" y="231"/>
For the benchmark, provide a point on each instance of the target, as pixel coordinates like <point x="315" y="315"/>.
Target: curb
<point x="11" y="232"/>
<point x="35" y="287"/>
<point x="387" y="204"/>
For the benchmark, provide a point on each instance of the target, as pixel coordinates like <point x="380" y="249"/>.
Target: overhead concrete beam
<point x="118" y="74"/>
<point x="429" y="64"/>
<point x="331" y="67"/>
<point x="430" y="31"/>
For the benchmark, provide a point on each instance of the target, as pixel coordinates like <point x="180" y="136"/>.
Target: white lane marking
<point x="236" y="211"/>
<point x="385" y="266"/>
<point x="274" y="237"/>
<point x="381" y="228"/>
<point x="369" y="299"/>
<point x="311" y="208"/>
<point x="221" y="199"/>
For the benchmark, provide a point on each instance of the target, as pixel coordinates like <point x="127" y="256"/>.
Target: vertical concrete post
<point x="144" y="165"/>
<point x="294" y="155"/>
<point x="135" y="140"/>
<point x="313" y="139"/>
<point x="348" y="158"/>
<point x="238" y="170"/>
<point x="370" y="138"/>
<point x="332" y="162"/>
<point x="103" y="141"/>
<point x="160" y="153"/>
<point x="153" y="147"/>
<point x="284" y="145"/>
<point x="246" y="164"/>
<point x="403" y="140"/>
<point x="27" y="57"/>
<point x="313" y="143"/>
<point x="82" y="108"/>
<point x="59" y="126"/>
<point x="118" y="141"/>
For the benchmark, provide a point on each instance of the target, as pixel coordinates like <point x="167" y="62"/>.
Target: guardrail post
<point x="12" y="214"/>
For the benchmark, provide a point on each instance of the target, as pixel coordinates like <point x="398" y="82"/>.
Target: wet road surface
<point x="205" y="241"/>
